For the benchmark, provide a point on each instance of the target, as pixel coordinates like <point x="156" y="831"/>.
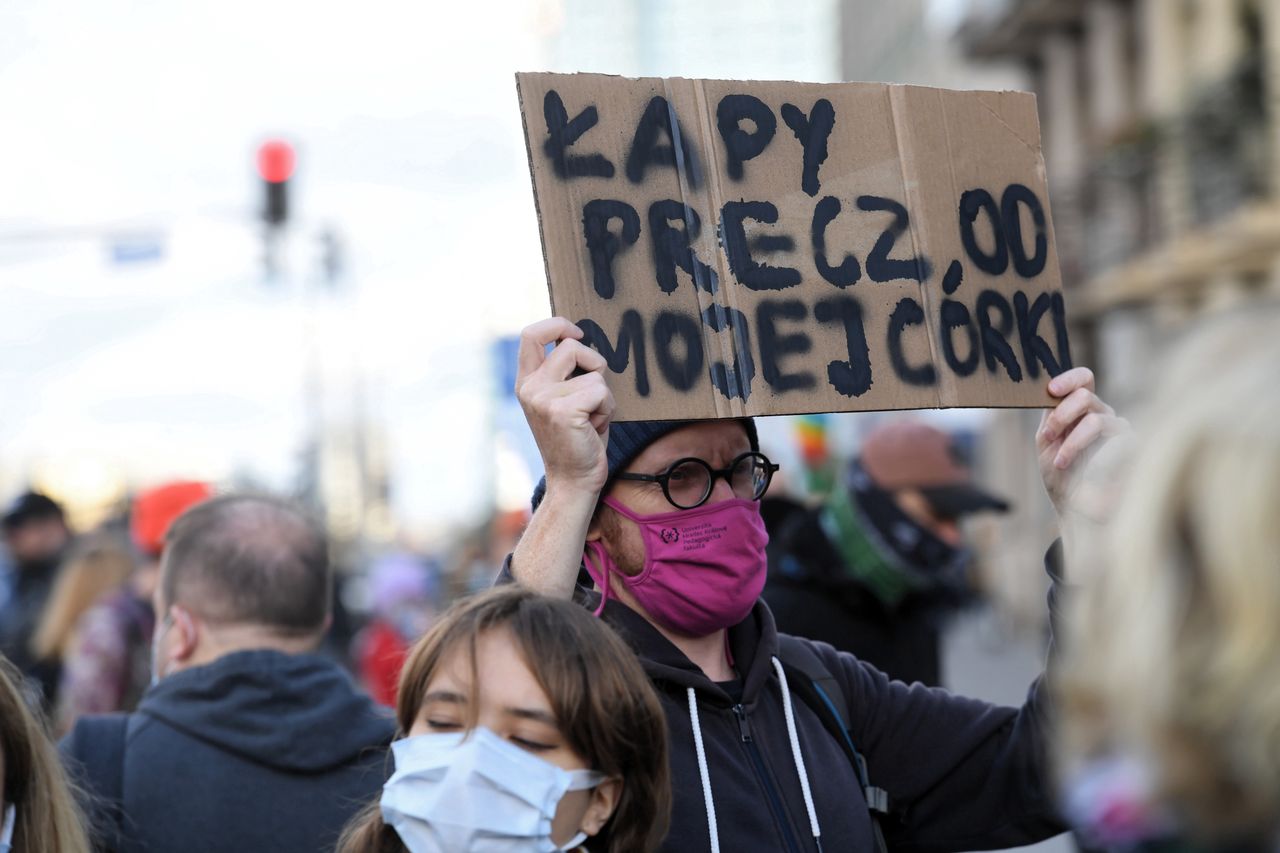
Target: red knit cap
<point x="155" y="509"/>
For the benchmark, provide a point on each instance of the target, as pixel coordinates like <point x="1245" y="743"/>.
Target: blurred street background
<point x="354" y="345"/>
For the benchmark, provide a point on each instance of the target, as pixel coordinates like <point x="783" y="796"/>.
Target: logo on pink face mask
<point x="703" y="569"/>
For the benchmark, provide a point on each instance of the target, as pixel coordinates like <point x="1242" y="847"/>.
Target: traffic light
<point x="275" y="167"/>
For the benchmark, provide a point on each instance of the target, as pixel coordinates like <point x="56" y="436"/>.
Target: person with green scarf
<point x="876" y="567"/>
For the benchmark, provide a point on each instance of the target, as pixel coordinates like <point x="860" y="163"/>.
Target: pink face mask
<point x="703" y="570"/>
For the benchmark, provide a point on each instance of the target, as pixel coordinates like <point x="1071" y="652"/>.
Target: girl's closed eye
<point x="533" y="745"/>
<point x="442" y="724"/>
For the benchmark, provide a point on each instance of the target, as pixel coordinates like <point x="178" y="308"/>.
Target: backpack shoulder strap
<point x="797" y="654"/>
<point x="809" y="677"/>
<point x="98" y="742"/>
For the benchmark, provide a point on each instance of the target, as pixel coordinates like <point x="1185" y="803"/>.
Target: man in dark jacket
<point x="663" y="517"/>
<point x="248" y="741"/>
<point x="877" y="567"/>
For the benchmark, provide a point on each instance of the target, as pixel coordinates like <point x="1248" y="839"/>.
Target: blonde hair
<point x="99" y="564"/>
<point x="48" y="820"/>
<point x="1173" y="646"/>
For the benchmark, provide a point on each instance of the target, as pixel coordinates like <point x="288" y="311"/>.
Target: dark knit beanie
<point x="628" y="440"/>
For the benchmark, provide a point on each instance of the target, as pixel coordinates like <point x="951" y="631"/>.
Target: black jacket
<point x="961" y="774"/>
<point x="259" y="750"/>
<point x="811" y="594"/>
<point x="20" y="614"/>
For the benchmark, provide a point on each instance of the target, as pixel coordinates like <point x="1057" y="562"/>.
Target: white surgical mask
<point x="476" y="792"/>
<point x="6" y="834"/>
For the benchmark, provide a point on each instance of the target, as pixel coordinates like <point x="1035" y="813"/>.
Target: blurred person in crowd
<point x="36" y="535"/>
<point x="483" y="553"/>
<point x="878" y="566"/>
<point x="38" y="812"/>
<point x="108" y="665"/>
<point x="402" y="591"/>
<point x="96" y="566"/>
<point x="1170" y="680"/>
<point x="247" y="740"/>
<point x="663" y="519"/>
<point x="525" y="725"/>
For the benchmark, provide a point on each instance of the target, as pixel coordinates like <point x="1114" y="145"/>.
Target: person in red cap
<point x="109" y="667"/>
<point x="878" y="566"/>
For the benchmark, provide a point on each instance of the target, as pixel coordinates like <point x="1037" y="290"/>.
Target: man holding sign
<point x="670" y="211"/>
<point x="663" y="517"/>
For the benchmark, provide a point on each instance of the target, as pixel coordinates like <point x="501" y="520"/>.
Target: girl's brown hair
<point x="601" y="697"/>
<point x="48" y="820"/>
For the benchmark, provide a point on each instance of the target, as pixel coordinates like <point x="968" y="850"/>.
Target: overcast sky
<point x="142" y="118"/>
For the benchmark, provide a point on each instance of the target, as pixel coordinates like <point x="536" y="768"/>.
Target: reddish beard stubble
<point x="621" y="538"/>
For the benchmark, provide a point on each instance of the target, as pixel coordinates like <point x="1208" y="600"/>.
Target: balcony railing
<point x="1226" y="139"/>
<point x="1120" y="201"/>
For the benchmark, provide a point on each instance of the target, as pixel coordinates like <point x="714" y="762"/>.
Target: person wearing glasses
<point x="775" y="743"/>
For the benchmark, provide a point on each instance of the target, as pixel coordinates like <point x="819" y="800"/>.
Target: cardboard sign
<point x="757" y="248"/>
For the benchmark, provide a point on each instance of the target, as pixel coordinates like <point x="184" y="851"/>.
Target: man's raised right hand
<point x="567" y="404"/>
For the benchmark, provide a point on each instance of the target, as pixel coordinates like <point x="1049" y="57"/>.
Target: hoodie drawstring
<point x="704" y="773"/>
<point x="795" y="752"/>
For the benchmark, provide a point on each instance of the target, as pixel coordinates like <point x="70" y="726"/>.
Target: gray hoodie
<point x="258" y="750"/>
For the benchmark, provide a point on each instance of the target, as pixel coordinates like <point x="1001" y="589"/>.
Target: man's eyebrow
<point x="445" y="696"/>
<point x="532" y="714"/>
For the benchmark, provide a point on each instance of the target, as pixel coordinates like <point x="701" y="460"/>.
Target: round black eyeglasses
<point x="688" y="482"/>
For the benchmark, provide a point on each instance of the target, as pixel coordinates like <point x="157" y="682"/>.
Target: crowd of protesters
<point x="656" y="669"/>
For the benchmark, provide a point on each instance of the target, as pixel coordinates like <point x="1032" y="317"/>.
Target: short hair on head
<point x="249" y="559"/>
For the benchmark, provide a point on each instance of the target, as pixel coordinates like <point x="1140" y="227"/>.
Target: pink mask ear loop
<point x="604" y="573"/>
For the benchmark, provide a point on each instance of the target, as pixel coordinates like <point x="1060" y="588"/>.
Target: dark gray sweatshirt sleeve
<point x="961" y="774"/>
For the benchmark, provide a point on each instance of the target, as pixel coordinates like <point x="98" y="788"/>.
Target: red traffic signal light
<point x="276" y="160"/>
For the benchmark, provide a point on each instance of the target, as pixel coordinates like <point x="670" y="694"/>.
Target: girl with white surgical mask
<point x="529" y="726"/>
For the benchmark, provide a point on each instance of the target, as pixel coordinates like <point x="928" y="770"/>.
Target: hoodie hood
<point x="297" y="713"/>
<point x="753" y="642"/>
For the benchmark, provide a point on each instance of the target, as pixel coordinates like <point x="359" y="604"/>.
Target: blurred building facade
<point x="1160" y="121"/>
<point x="1161" y="127"/>
<point x="910" y="41"/>
<point x="733" y="39"/>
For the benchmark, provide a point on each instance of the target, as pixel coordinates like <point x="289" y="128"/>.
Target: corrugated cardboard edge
<point x="1049" y="400"/>
<point x="725" y="407"/>
<point x="894" y="93"/>
<point x="533" y="180"/>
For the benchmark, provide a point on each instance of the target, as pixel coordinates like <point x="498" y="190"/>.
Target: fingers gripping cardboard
<point x="744" y="248"/>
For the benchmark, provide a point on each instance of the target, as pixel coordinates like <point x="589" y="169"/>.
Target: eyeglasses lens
<point x="688" y="483"/>
<point x="750" y="477"/>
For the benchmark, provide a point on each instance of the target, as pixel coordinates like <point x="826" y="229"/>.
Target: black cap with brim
<point x="29" y="506"/>
<point x="963" y="499"/>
